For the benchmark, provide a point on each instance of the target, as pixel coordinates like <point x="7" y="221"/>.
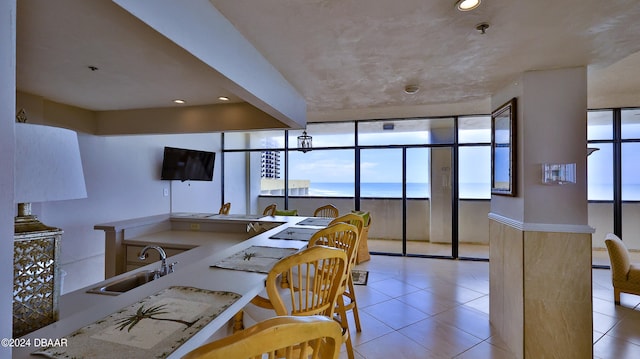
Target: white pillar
<point x="540" y="259"/>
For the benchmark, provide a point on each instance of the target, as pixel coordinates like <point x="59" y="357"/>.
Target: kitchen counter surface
<point x="79" y="308"/>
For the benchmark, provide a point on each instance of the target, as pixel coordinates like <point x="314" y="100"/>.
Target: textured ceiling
<point x="348" y="58"/>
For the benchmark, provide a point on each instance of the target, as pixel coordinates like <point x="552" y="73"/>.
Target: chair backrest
<point x="328" y="211"/>
<point x="314" y="276"/>
<point x="315" y="337"/>
<point x="225" y="208"/>
<point x="619" y="257"/>
<point x="350" y="218"/>
<point x="270" y="210"/>
<point x="343" y="236"/>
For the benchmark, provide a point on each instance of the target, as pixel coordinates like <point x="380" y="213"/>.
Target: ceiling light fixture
<point x="179" y="101"/>
<point x="223" y="98"/>
<point x="467" y="5"/>
<point x="304" y="142"/>
<point x="411" y="89"/>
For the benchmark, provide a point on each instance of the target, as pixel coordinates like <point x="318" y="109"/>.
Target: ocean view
<point x="391" y="190"/>
<point x="596" y="192"/>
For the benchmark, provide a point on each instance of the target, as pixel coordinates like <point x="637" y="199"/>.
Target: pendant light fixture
<point x="304" y="142"/>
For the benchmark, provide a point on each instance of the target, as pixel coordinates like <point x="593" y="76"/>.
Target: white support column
<point x="540" y="269"/>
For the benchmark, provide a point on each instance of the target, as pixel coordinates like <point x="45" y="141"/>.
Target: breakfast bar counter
<point x="194" y="270"/>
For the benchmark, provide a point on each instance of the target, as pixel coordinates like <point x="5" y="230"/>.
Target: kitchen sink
<point x="121" y="285"/>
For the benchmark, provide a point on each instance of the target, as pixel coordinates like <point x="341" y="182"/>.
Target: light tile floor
<point x="468" y="250"/>
<point x="439" y="308"/>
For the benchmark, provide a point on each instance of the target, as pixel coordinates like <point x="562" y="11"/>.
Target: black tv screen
<point x="183" y="164"/>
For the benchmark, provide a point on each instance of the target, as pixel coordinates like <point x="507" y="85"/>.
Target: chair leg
<point x="616" y="296"/>
<point x="352" y="297"/>
<point x="238" y="321"/>
<point x="344" y="322"/>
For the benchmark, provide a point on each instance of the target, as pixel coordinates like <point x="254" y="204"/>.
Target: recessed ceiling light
<point x="467" y="5"/>
<point x="179" y="101"/>
<point x="223" y="98"/>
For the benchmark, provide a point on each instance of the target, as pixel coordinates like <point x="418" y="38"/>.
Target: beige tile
<point x="628" y="329"/>
<point x="380" y="339"/>
<point x="394" y="345"/>
<point x="497" y="341"/>
<point x="603" y="323"/>
<point x="371" y="329"/>
<point x="366" y="296"/>
<point x="393" y="287"/>
<point x="440" y="338"/>
<point x="469" y="320"/>
<point x="481" y="304"/>
<point x="395" y="313"/>
<point x="453" y="292"/>
<point x="612" y="347"/>
<point x="428" y="302"/>
<point x="486" y="351"/>
<point x="356" y="355"/>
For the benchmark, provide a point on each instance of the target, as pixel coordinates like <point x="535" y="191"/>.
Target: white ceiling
<point x="348" y="58"/>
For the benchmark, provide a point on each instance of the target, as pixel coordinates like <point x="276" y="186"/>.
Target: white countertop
<point x="78" y="308"/>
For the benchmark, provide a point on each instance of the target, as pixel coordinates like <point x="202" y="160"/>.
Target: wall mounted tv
<point x="183" y="164"/>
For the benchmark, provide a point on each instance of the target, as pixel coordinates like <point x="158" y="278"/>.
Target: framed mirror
<point x="503" y="149"/>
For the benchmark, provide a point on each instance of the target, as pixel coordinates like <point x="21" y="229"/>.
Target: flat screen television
<point x="187" y="165"/>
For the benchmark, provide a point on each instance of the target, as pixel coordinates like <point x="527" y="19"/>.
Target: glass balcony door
<point x="408" y="191"/>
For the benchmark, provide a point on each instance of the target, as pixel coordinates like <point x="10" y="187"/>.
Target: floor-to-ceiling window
<point x="428" y="190"/>
<point x="406" y="182"/>
<point x="474" y="185"/>
<point x="253" y="166"/>
<point x="630" y="179"/>
<point x="326" y="174"/>
<point x="613" y="177"/>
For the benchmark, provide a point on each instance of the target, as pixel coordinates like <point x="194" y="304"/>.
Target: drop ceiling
<point x="349" y="59"/>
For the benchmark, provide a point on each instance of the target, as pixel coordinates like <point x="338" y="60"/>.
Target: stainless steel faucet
<point x="164" y="268"/>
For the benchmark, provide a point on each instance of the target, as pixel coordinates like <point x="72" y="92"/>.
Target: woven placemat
<point x="151" y="328"/>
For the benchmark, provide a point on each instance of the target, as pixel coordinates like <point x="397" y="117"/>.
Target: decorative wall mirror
<point x="503" y="149"/>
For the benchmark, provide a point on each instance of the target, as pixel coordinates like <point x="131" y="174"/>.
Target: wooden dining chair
<point x="328" y="211"/>
<point x="363" y="225"/>
<point x="349" y="293"/>
<point x="290" y="337"/>
<point x="225" y="208"/>
<point x="315" y="278"/>
<point x="350" y="218"/>
<point x="269" y="210"/>
<point x="342" y="236"/>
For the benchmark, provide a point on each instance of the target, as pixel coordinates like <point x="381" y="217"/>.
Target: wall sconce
<point x="558" y="173"/>
<point x="304" y="142"/>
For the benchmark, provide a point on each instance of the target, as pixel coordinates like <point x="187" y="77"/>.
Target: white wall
<point x="551" y="110"/>
<point x="555" y="122"/>
<point x="122" y="175"/>
<point x="7" y="145"/>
